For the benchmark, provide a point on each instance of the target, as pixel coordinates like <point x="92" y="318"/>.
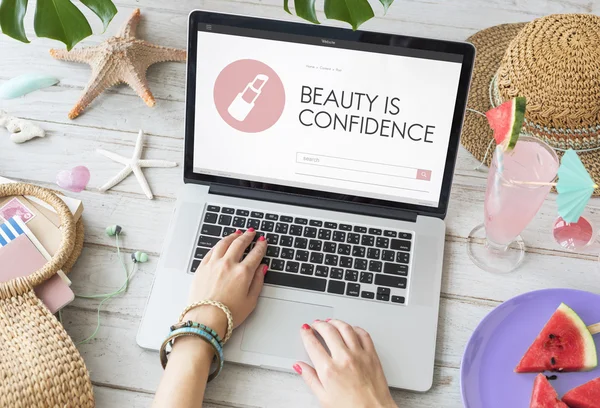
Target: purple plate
<point x="487" y="376"/>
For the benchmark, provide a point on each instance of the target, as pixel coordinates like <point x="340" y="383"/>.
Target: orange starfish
<point x="120" y="59"/>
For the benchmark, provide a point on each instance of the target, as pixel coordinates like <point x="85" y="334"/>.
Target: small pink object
<point x="74" y="180"/>
<point x="573" y="236"/>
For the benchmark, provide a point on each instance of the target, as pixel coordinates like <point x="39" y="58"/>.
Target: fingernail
<point x="317" y="320"/>
<point x="265" y="269"/>
<point x="238" y="232"/>
<point x="297" y="368"/>
<point x="261" y="238"/>
<point x="250" y="229"/>
<point x="306" y="326"/>
<point x="327" y="320"/>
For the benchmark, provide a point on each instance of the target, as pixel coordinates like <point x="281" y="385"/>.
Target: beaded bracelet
<point x="214" y="303"/>
<point x="192" y="331"/>
<point x="201" y="326"/>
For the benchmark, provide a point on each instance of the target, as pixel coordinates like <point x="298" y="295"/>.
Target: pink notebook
<point x="21" y="258"/>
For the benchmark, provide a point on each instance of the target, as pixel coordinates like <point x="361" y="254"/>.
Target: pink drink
<point x="512" y="199"/>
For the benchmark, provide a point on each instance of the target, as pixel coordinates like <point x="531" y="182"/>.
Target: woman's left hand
<point x="224" y="277"/>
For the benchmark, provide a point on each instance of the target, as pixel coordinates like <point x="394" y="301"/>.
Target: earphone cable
<point x="106" y="296"/>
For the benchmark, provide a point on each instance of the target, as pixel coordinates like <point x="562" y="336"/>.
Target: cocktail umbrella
<point x="575" y="187"/>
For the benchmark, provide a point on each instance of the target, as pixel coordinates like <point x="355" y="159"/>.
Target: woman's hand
<point x="224" y="277"/>
<point x="352" y="376"/>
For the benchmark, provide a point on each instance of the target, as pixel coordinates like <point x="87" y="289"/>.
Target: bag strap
<point x="18" y="286"/>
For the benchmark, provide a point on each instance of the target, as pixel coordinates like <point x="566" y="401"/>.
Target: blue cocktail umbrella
<point x="575" y="187"/>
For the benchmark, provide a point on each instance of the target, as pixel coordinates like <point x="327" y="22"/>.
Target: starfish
<point x="135" y="165"/>
<point x="120" y="59"/>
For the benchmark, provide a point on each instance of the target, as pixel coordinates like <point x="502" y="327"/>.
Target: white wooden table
<point x="123" y="374"/>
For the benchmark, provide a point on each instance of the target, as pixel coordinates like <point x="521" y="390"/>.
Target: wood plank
<point x="470" y="14"/>
<point x="125" y="375"/>
<point x="468" y="294"/>
<point x="114" y="360"/>
<point x="542" y="270"/>
<point x="112" y="397"/>
<point x="67" y="137"/>
<point x="169" y="28"/>
<point x="142" y="218"/>
<point x="121" y="398"/>
<point x="70" y="138"/>
<point x="98" y="271"/>
<point x="273" y="9"/>
<point x="78" y="145"/>
<point x="53" y="104"/>
<point x="166" y="28"/>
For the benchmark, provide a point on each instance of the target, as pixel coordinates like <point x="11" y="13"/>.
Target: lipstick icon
<point x="243" y="103"/>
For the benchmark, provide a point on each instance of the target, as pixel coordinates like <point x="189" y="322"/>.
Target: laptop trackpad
<point x="274" y="327"/>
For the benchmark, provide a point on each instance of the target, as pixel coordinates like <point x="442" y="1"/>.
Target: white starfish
<point x="135" y="165"/>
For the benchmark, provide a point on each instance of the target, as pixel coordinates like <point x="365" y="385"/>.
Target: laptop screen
<point x="338" y="116"/>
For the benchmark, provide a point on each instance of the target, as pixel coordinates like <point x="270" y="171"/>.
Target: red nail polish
<point x="250" y="229"/>
<point x="265" y="269"/>
<point x="317" y="320"/>
<point x="261" y="238"/>
<point x="305" y="326"/>
<point x="327" y="320"/>
<point x="238" y="232"/>
<point x="297" y="368"/>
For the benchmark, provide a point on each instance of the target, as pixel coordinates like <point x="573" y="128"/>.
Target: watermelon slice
<point x="506" y="121"/>
<point x="565" y="344"/>
<point x="544" y="395"/>
<point x="584" y="396"/>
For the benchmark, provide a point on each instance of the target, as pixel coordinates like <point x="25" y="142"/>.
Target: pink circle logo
<point x="249" y="96"/>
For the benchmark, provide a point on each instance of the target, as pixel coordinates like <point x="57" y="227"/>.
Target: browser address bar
<point x="361" y="166"/>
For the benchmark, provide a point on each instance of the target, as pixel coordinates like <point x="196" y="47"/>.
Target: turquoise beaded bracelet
<point x="207" y="336"/>
<point x="190" y="323"/>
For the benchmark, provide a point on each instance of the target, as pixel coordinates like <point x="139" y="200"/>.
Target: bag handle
<point x="18" y="286"/>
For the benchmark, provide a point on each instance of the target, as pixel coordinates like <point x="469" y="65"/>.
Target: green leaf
<point x="354" y="12"/>
<point x="286" y="6"/>
<point x="61" y="20"/>
<point x="386" y="4"/>
<point x="105" y="9"/>
<point x="306" y="10"/>
<point x="12" y="13"/>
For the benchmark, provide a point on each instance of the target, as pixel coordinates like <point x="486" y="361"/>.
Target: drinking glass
<point x="518" y="183"/>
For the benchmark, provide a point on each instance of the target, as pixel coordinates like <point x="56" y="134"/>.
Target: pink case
<point x="21" y="258"/>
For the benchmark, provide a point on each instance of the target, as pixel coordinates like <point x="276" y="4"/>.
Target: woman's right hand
<point x="352" y="375"/>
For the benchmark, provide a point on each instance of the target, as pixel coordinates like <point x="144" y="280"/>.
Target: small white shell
<point x="21" y="130"/>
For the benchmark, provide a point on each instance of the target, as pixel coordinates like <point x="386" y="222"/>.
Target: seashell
<point x="21" y="130"/>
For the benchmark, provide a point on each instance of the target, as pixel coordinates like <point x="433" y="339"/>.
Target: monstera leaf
<point x="353" y="12"/>
<point x="56" y="19"/>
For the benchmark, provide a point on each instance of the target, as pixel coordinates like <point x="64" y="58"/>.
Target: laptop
<point x="339" y="147"/>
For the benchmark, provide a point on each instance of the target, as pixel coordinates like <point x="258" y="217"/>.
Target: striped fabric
<point x="10" y="230"/>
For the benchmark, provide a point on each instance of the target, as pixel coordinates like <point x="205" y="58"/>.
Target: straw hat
<point x="554" y="62"/>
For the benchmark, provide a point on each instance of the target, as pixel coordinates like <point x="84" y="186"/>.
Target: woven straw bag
<point x="39" y="364"/>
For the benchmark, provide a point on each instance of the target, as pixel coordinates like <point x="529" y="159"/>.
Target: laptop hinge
<point x="314" y="202"/>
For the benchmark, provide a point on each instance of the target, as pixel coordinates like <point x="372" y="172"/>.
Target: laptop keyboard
<point x="342" y="259"/>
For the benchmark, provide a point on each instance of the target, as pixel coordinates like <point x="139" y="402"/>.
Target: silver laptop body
<point x="391" y="289"/>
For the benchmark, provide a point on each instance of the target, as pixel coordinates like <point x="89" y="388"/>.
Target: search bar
<point x="361" y="166"/>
